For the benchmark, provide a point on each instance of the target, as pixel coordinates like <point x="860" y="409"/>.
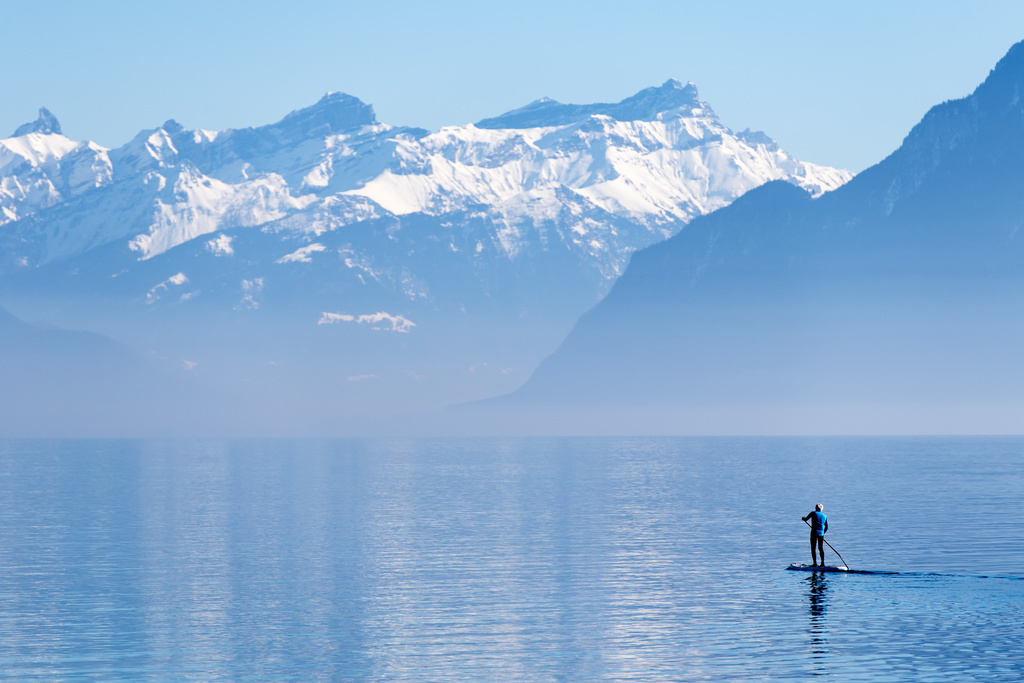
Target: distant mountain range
<point x="344" y="263"/>
<point x="894" y="304"/>
<point x="655" y="160"/>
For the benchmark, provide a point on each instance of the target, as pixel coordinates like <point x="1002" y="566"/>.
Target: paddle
<point x="830" y="546"/>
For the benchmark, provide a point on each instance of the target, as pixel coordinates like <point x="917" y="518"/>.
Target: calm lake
<point x="495" y="560"/>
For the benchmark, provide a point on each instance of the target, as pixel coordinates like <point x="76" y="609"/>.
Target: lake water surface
<point x="493" y="560"/>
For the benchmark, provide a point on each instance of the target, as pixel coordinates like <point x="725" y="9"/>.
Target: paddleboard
<point x="809" y="568"/>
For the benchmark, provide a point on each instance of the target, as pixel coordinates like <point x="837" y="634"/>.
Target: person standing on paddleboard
<point x="819" y="525"/>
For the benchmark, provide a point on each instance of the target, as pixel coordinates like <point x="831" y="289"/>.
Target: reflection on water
<point x="496" y="560"/>
<point x="817" y="598"/>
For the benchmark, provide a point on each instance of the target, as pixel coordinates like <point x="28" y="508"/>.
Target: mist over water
<point x="509" y="559"/>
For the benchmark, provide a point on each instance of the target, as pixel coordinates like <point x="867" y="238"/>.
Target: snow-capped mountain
<point x="381" y="251"/>
<point x="40" y="168"/>
<point x="657" y="159"/>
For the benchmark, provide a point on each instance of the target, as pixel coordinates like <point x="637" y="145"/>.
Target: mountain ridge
<point x="336" y="147"/>
<point x="646" y="105"/>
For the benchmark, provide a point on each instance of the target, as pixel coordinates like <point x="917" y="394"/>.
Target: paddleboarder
<point x="819" y="525"/>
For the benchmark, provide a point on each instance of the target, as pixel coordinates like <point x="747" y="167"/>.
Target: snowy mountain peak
<point x="172" y="126"/>
<point x="46" y="124"/>
<point x="670" y="96"/>
<point x="41" y="168"/>
<point x="646" y="105"/>
<point x="334" y="113"/>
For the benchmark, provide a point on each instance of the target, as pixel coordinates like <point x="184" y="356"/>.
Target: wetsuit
<point x="819" y="525"/>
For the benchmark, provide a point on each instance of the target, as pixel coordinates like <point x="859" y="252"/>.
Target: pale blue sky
<point x="837" y="83"/>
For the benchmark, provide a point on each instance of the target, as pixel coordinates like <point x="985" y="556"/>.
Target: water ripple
<point x="519" y="560"/>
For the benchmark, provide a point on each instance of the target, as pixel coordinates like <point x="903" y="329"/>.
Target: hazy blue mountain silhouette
<point x="88" y="383"/>
<point x="903" y="288"/>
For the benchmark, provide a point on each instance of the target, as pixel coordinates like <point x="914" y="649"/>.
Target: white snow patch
<point x="378" y="321"/>
<point x="302" y="255"/>
<point x="200" y="135"/>
<point x="154" y="177"/>
<point x="251" y="289"/>
<point x="320" y="176"/>
<point x="355" y="262"/>
<point x="154" y="294"/>
<point x="221" y="246"/>
<point x="413" y="287"/>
